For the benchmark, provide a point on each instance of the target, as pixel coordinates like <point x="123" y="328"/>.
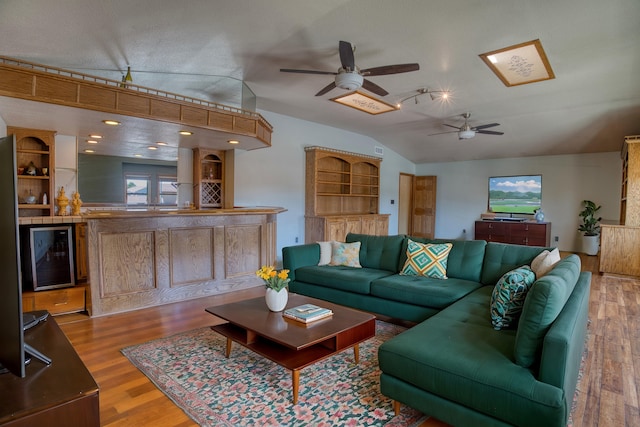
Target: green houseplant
<point x="590" y="227"/>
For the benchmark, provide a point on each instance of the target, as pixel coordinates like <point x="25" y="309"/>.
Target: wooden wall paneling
<point x="127" y="262"/>
<point x="132" y="103"/>
<point x="220" y="120"/>
<point x="194" y="116"/>
<point x="191" y="255"/>
<point x="240" y="124"/>
<point x="633" y="185"/>
<point x="242" y="244"/>
<point x="165" y="110"/>
<point x="56" y="89"/>
<point x="100" y="97"/>
<point x="619" y="250"/>
<point x="16" y="82"/>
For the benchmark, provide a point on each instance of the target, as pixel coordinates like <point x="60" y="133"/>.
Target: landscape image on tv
<point x="515" y="194"/>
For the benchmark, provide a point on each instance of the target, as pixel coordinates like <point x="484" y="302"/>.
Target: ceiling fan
<point x="350" y="77"/>
<point x="466" y="131"/>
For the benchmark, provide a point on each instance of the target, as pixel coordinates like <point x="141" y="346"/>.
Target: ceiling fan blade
<point x="485" y="126"/>
<point x="289" y="70"/>
<point x="346" y="56"/>
<point x="326" y="89"/>
<point x="442" y="133"/>
<point x="372" y="87"/>
<point x="452" y="126"/>
<point x="490" y="132"/>
<point x="390" y="69"/>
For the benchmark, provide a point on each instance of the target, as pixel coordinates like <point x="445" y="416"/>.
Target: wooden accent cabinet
<point x="342" y="194"/>
<point x="519" y="233"/>
<point x="61" y="394"/>
<point x="208" y="181"/>
<point x="36" y="147"/>
<point x="55" y="301"/>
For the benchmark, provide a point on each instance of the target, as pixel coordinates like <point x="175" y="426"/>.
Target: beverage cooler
<point x="47" y="257"/>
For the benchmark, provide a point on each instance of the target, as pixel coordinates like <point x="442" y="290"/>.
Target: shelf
<point x="41" y="152"/>
<point x="34" y="177"/>
<point x="33" y="206"/>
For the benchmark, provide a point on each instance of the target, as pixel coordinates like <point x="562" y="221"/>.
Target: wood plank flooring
<point x="609" y="388"/>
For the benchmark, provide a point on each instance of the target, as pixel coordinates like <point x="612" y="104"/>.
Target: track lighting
<point x="433" y="94"/>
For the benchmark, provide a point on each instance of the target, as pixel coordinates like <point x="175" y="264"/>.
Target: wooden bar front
<point x="147" y="258"/>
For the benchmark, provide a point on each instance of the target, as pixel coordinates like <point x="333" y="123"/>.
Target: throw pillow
<point x="325" y="253"/>
<point x="426" y="259"/>
<point x="346" y="254"/>
<point x="544" y="263"/>
<point x="508" y="297"/>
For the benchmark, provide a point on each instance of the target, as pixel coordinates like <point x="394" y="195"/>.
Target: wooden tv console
<point x="61" y="394"/>
<point x="520" y="233"/>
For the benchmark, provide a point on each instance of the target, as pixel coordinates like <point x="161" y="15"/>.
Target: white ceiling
<point x="205" y="48"/>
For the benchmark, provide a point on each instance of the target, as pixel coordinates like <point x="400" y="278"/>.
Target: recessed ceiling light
<point x="91" y="141"/>
<point x="161" y="143"/>
<point x="152" y="147"/>
<point x="185" y="132"/>
<point x="137" y="155"/>
<point x="233" y="141"/>
<point x="111" y="122"/>
<point x="95" y="136"/>
<point x="89" y="151"/>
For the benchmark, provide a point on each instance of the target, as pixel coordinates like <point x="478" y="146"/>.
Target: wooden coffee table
<point x="289" y="343"/>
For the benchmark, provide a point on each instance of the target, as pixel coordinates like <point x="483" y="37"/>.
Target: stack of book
<point x="307" y="313"/>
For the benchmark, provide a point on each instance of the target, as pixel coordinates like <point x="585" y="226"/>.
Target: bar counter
<point x="146" y="257"/>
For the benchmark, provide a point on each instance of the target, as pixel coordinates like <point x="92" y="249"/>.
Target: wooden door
<point x="404" y="203"/>
<point x="423" y="217"/>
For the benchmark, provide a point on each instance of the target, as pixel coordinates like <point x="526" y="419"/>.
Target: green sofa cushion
<point x="379" y="252"/>
<point x="543" y="303"/>
<point x="464" y="261"/>
<point x="423" y="291"/>
<point x="458" y="356"/>
<point x="350" y="279"/>
<point x="501" y="258"/>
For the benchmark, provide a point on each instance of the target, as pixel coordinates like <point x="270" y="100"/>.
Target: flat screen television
<point x="518" y="194"/>
<point x="14" y="352"/>
<point x="11" y="332"/>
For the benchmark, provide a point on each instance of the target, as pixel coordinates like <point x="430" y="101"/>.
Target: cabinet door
<point x="382" y="226"/>
<point x="353" y="225"/>
<point x="529" y="234"/>
<point x="336" y="229"/>
<point x="369" y="225"/>
<point x="491" y="231"/>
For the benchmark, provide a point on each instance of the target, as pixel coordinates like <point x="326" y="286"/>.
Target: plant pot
<point x="276" y="300"/>
<point x="590" y="244"/>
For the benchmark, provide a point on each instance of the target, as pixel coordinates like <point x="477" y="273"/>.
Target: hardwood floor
<point x="609" y="388"/>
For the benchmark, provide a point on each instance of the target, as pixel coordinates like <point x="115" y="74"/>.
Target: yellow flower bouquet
<point x="273" y="279"/>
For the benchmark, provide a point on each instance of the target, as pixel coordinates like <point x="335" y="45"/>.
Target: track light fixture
<point x="433" y="94"/>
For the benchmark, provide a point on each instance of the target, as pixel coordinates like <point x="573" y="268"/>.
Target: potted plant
<point x="277" y="287"/>
<point x="590" y="227"/>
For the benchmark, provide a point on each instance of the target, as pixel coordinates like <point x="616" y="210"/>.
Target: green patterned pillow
<point x="508" y="297"/>
<point x="346" y="254"/>
<point x="426" y="259"/>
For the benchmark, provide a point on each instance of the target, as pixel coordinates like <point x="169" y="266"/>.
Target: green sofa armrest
<point x="294" y="257"/>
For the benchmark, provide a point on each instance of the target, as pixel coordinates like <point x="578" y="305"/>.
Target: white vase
<point x="276" y="300"/>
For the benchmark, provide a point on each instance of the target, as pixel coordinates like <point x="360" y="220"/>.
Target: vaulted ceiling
<point x="206" y="49"/>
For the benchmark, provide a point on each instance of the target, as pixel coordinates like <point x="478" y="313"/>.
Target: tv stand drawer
<point x="519" y="233"/>
<point x="56" y="301"/>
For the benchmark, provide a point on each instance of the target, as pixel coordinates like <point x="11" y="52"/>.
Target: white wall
<point x="566" y="181"/>
<point x="275" y="176"/>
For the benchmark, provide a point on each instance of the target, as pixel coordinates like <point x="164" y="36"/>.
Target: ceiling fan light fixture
<point x="466" y="134"/>
<point x="349" y="80"/>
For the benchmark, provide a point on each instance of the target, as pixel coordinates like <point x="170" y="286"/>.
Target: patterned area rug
<point x="248" y="390"/>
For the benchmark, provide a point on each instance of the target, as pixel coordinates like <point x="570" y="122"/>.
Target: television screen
<point x="521" y="194"/>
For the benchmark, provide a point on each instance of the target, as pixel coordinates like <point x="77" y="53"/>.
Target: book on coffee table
<point x="307" y="313"/>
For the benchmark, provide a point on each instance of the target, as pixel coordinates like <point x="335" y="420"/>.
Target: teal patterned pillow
<point x="346" y="254"/>
<point x="508" y="297"/>
<point x="426" y="259"/>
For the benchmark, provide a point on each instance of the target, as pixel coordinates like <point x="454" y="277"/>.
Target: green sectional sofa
<point x="453" y="364"/>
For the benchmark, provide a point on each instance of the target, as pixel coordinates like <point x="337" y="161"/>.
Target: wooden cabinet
<point x="519" y="233"/>
<point x="35" y="157"/>
<point x="326" y="228"/>
<point x="208" y="178"/>
<point x="342" y="194"/>
<point x="61" y="394"/>
<point x="56" y="301"/>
